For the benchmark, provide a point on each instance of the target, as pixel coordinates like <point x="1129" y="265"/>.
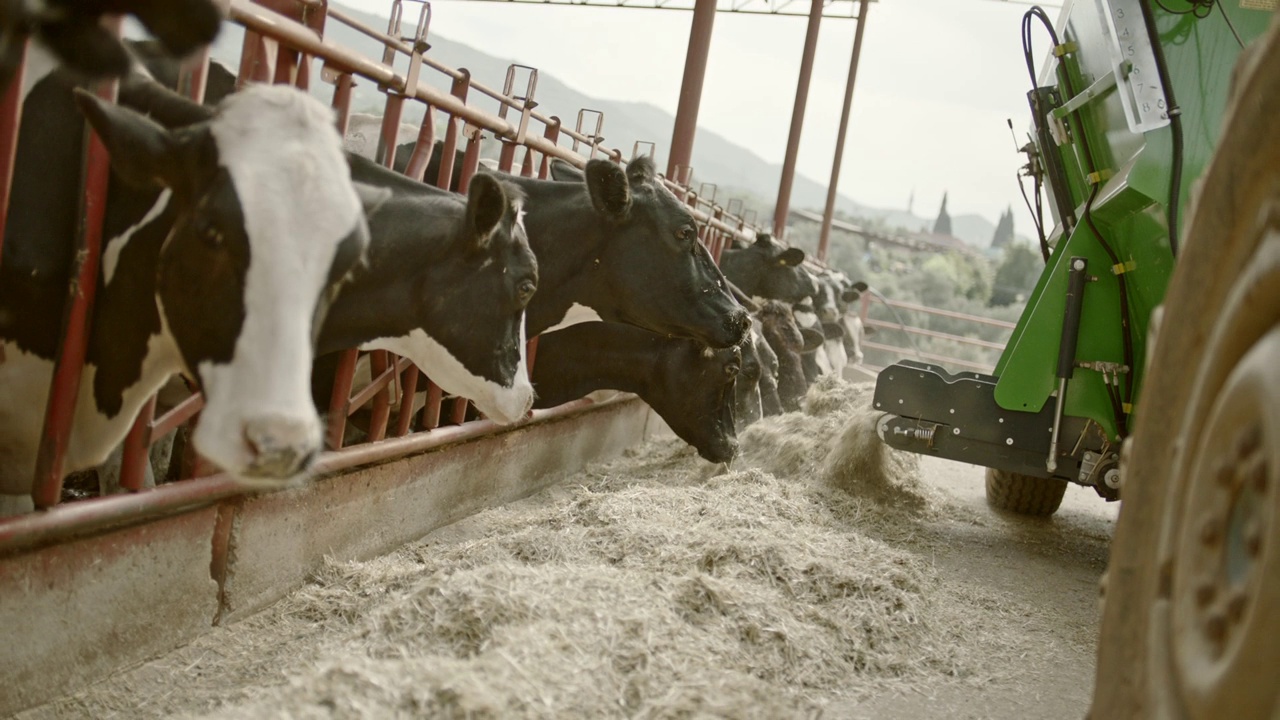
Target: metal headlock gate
<point x="190" y="535"/>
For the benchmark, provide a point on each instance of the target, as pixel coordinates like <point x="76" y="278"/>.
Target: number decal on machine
<point x="1134" y="63"/>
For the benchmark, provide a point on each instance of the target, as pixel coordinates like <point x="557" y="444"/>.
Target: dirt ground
<point x="658" y="586"/>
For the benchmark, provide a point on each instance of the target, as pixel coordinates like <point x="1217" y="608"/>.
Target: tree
<point x="1016" y="276"/>
<point x="1003" y="236"/>
<point x="942" y="226"/>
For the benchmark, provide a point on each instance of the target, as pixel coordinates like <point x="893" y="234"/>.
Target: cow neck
<point x="400" y="256"/>
<point x="624" y="358"/>
<point x="567" y="235"/>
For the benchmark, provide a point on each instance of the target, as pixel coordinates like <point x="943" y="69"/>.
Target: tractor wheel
<point x="1189" y="621"/>
<point x="1024" y="494"/>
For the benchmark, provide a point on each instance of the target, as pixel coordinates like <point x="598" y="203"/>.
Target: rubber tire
<point x="1235" y="202"/>
<point x="1024" y="494"/>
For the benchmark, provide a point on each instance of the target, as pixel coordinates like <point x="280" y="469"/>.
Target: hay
<point x="645" y="587"/>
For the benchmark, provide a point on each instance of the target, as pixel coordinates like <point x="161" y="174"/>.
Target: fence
<point x="284" y="40"/>
<point x="889" y="319"/>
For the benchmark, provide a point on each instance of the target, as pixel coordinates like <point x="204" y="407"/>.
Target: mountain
<point x="715" y="158"/>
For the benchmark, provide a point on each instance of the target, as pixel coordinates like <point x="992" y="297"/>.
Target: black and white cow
<point x="766" y="269"/>
<point x="689" y="385"/>
<point x="72" y="32"/>
<point x="447" y="283"/>
<point x="223" y="243"/>
<point x="747" y="403"/>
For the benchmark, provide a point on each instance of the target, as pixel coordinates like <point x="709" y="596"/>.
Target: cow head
<point x="789" y="342"/>
<point x="767" y="269"/>
<point x="655" y="272"/>
<point x="747" y="404"/>
<point x="699" y="384"/>
<point x="266" y="222"/>
<point x="447" y="285"/>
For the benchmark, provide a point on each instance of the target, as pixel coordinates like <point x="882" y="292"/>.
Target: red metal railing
<point x="283" y="38"/>
<point x="894" y="323"/>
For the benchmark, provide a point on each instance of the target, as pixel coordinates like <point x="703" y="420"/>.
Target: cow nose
<point x="738" y="322"/>
<point x="279" y="446"/>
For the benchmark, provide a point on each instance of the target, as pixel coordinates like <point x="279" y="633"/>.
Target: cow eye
<point x="207" y="231"/>
<point x="526" y="290"/>
<point x="687" y="233"/>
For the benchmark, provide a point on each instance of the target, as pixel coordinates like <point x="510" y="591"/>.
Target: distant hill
<point x="715" y="158"/>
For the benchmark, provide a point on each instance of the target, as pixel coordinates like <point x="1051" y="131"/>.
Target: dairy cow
<point x="71" y="32"/>
<point x="789" y="343"/>
<point x="689" y="385"/>
<point x="766" y="269"/>
<point x="223" y="243"/>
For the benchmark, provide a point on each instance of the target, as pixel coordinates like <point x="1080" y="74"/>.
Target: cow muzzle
<point x="279" y="448"/>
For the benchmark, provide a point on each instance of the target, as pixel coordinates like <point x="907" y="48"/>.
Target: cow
<point x="747" y="403"/>
<point x="770" y="403"/>
<point x="446" y="285"/>
<point x="622" y="249"/>
<point x="780" y="331"/>
<point x="688" y="384"/>
<point x="70" y="32"/>
<point x="224" y="242"/>
<point x="766" y="269"/>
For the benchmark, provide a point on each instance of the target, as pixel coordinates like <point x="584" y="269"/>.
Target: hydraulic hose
<point x="1175" y="125"/>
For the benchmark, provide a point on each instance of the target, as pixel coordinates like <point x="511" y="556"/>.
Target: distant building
<point x="1003" y="236"/>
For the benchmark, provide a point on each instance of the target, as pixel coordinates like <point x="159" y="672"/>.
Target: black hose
<point x="1175" y="125"/>
<point x="1126" y="334"/>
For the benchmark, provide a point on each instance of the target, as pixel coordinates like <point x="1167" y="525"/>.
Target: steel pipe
<point x="828" y="213"/>
<point x="797" y="119"/>
<point x="695" y="70"/>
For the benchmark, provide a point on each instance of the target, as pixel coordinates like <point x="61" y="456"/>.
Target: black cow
<point x="768" y="270"/>
<point x="689" y="385"/>
<point x="446" y="285"/>
<point x="747" y="404"/>
<point x="770" y="403"/>
<point x="223" y="242"/>
<point x="72" y="32"/>
<point x="789" y="343"/>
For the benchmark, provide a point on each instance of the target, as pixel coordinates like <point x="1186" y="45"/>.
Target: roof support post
<point x="797" y="119"/>
<point x="829" y="212"/>
<point x="695" y="69"/>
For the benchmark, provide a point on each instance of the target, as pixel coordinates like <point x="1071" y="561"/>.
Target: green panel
<point x="1130" y="208"/>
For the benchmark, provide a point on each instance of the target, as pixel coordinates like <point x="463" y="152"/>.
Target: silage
<point x="645" y="588"/>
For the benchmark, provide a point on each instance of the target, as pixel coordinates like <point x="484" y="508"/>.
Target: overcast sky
<point x="937" y="80"/>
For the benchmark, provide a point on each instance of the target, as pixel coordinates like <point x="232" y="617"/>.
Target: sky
<point x="936" y="83"/>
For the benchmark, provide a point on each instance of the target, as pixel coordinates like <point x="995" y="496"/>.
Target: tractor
<point x="1146" y="364"/>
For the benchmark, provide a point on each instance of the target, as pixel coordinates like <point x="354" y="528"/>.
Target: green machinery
<point x="1126" y="110"/>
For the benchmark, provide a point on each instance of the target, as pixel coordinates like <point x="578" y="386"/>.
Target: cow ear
<point x="641" y="170"/>
<point x="850" y="295"/>
<point x="142" y="152"/>
<point x="792" y="257"/>
<point x="372" y="197"/>
<point x="486" y="204"/>
<point x="764" y="238"/>
<point x="562" y="171"/>
<point x="812" y="340"/>
<point x="860" y="286"/>
<point x="608" y="187"/>
<point x="160" y="103"/>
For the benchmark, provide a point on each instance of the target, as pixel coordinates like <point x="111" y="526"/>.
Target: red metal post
<point x="507" y="156"/>
<point x="470" y="160"/>
<point x="459" y="90"/>
<point x="379" y="361"/>
<point x="425" y="145"/>
<point x="552" y="135"/>
<point x="695" y="69"/>
<point x="828" y="213"/>
<point x="257" y="61"/>
<point x="10" y="116"/>
<point x="340" y="399"/>
<point x="342" y="101"/>
<point x="435" y="396"/>
<point x="797" y="119"/>
<point x="409" y="388"/>
<point x="69" y="365"/>
<point x="133" y="466"/>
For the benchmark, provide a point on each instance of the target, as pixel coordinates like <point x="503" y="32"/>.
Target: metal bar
<point x="424" y="146"/>
<point x="10" y="117"/>
<point x="935" y="334"/>
<point x="435" y="396"/>
<point x="552" y="136"/>
<point x="382" y="373"/>
<point x="828" y="213"/>
<point x="695" y="70"/>
<point x="25" y="532"/>
<point x="459" y="415"/>
<point x="340" y="398"/>
<point x="383" y="367"/>
<point x="470" y="160"/>
<point x="983" y="367"/>
<point x="342" y="100"/>
<point x="133" y="464"/>
<point x="69" y="364"/>
<point x="507" y="156"/>
<point x="390" y="130"/>
<point x="409" y="388"/>
<point x="948" y="313"/>
<point x="256" y="59"/>
<point x="797" y="119"/>
<point x="183" y="412"/>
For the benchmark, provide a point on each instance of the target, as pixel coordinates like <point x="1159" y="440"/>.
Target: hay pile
<point x="643" y="589"/>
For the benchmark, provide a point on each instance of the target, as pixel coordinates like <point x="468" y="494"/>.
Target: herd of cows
<point x="242" y="245"/>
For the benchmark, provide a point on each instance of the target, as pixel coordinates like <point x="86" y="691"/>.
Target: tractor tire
<point x="1189" y="621"/>
<point x="1024" y="494"/>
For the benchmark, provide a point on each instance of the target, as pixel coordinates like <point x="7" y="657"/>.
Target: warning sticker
<point x="1260" y="4"/>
